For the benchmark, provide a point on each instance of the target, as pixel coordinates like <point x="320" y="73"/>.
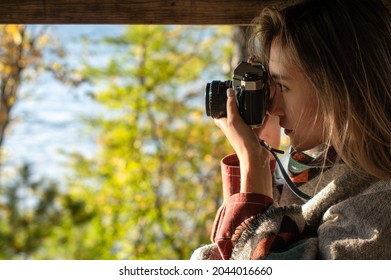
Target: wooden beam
<point x="130" y="11"/>
<point x="197" y="12"/>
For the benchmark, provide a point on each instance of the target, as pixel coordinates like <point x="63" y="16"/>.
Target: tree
<point x="22" y="56"/>
<point x="155" y="186"/>
<point x="240" y="36"/>
<point x="18" y="52"/>
<point x="30" y="209"/>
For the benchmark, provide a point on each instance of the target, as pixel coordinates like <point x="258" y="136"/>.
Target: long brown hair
<point x="344" y="49"/>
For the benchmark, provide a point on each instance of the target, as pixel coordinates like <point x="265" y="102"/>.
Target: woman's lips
<point x="288" y="131"/>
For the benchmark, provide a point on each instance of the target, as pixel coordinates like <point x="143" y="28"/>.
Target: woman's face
<point x="294" y="101"/>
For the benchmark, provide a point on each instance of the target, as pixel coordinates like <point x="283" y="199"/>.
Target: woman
<point x="329" y="64"/>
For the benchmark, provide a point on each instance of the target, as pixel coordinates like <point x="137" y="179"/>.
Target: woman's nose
<point x="276" y="104"/>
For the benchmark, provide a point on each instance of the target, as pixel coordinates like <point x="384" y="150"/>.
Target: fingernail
<point x="230" y="92"/>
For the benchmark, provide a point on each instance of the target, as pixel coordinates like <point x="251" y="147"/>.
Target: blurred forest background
<point x="152" y="187"/>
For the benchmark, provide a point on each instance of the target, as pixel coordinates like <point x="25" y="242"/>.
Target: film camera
<point x="251" y="90"/>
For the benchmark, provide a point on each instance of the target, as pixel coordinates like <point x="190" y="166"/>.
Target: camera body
<point x="251" y="90"/>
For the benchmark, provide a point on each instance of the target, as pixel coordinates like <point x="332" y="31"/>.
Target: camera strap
<point x="288" y="180"/>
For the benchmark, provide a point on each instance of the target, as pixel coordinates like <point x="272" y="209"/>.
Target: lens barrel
<point x="216" y="98"/>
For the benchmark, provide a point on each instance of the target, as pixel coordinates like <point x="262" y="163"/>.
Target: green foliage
<point x="155" y="186"/>
<point x="153" y="190"/>
<point x="31" y="210"/>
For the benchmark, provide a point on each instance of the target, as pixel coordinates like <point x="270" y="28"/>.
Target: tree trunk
<point x="240" y="38"/>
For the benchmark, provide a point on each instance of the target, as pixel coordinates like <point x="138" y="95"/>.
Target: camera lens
<point x="216" y="98"/>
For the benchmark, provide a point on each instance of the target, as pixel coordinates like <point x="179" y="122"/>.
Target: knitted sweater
<point x="348" y="218"/>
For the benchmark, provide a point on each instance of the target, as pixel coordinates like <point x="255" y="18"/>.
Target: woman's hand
<point x="254" y="159"/>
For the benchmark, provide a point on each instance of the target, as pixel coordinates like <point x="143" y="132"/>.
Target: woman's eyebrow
<point x="279" y="76"/>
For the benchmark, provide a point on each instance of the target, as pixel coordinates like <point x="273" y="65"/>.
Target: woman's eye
<point x="282" y="87"/>
<point x="276" y="87"/>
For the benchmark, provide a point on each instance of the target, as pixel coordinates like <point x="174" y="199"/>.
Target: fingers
<point x="232" y="108"/>
<point x="243" y="138"/>
<point x="233" y="118"/>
